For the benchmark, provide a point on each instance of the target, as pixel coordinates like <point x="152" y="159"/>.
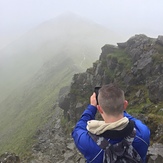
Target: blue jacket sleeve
<point x="142" y="138"/>
<point x="81" y="138"/>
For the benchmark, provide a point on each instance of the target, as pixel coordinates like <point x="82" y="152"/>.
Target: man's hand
<point x="93" y="100"/>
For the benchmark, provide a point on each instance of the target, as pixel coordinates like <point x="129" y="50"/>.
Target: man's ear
<point x="99" y="109"/>
<point x="125" y="104"/>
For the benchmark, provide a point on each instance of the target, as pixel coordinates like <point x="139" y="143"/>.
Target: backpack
<point x="122" y="152"/>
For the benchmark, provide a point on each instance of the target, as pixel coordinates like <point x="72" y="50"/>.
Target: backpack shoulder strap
<point x="129" y="139"/>
<point x="100" y="141"/>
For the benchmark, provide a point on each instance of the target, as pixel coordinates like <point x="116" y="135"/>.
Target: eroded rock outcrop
<point x="137" y="62"/>
<point x="160" y="40"/>
<point x="54" y="144"/>
<point x="9" y="158"/>
<point x="156" y="89"/>
<point x="137" y="66"/>
<point x="155" y="153"/>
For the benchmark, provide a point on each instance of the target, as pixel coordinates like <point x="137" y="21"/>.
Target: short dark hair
<point x="111" y="99"/>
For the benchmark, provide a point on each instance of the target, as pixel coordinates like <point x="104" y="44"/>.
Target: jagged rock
<point x="155" y="153"/>
<point x="158" y="132"/>
<point x="82" y="160"/>
<point x="106" y="49"/>
<point x="9" y="158"/>
<point x="68" y="155"/>
<point x="141" y="64"/>
<point x="128" y="78"/>
<point x="136" y="45"/>
<point x="156" y="89"/>
<point x="138" y="93"/>
<point x="141" y="49"/>
<point x="57" y="147"/>
<point x="145" y="68"/>
<point x="71" y="146"/>
<point x="160" y="40"/>
<point x="62" y="99"/>
<point x="122" y="45"/>
<point x="36" y="147"/>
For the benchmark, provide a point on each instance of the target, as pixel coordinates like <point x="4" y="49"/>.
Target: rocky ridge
<point x="137" y="66"/>
<point x="53" y="145"/>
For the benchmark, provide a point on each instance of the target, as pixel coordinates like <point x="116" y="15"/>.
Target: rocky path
<point x="53" y="146"/>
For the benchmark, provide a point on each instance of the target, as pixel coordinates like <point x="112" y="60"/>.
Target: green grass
<point x="142" y="105"/>
<point x="153" y="122"/>
<point x="122" y="58"/>
<point x="28" y="108"/>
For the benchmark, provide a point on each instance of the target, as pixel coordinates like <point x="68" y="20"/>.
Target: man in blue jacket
<point x="117" y="124"/>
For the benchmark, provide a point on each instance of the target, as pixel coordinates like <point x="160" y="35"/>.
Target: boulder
<point x="155" y="153"/>
<point x="160" y="40"/>
<point x="9" y="158"/>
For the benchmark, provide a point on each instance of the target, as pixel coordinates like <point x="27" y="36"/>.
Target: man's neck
<point x="111" y="118"/>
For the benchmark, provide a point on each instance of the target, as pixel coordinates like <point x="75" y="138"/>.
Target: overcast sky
<point x="128" y="17"/>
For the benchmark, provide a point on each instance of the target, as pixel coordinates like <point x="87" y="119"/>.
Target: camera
<point x="96" y="90"/>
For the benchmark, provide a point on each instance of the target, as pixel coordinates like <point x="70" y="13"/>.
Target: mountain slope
<point x="66" y="35"/>
<point x="32" y="105"/>
<point x="34" y="68"/>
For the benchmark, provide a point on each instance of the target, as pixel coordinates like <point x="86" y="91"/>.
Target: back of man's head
<point x="111" y="99"/>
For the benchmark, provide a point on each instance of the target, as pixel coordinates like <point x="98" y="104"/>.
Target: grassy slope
<point x="31" y="107"/>
<point x="24" y="108"/>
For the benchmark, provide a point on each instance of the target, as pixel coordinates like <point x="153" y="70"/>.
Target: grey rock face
<point x="143" y="70"/>
<point x="155" y="153"/>
<point x="160" y="40"/>
<point x="156" y="89"/>
<point x="108" y="49"/>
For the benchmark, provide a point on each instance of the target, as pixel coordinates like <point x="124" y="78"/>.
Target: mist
<point x="124" y="17"/>
<point x="66" y="36"/>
